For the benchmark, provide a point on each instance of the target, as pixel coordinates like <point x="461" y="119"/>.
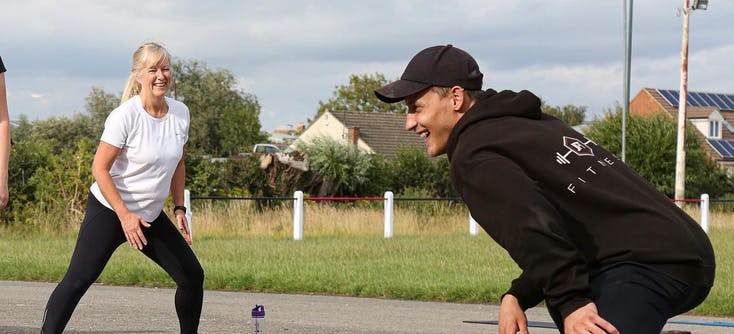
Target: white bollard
<point x="388" y="214"/>
<point x="298" y="215"/>
<point x="187" y="204"/>
<point x="473" y="226"/>
<point x="705" y="212"/>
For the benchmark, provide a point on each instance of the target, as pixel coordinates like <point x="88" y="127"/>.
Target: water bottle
<point x="258" y="318"/>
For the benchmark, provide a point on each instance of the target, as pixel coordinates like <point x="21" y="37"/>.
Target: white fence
<point x="389" y="216"/>
<point x="473" y="225"/>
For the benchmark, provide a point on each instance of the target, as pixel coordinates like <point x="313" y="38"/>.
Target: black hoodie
<point x="563" y="207"/>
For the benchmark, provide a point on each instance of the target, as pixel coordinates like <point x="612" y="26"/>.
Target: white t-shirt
<point x="150" y="151"/>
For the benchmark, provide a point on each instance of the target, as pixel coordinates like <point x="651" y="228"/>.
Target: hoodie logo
<point x="585" y="175"/>
<point x="574" y="146"/>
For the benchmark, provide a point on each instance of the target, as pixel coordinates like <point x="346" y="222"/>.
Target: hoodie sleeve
<point x="515" y="213"/>
<point x="525" y="291"/>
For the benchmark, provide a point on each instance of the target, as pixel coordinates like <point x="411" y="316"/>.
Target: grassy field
<point x="431" y="257"/>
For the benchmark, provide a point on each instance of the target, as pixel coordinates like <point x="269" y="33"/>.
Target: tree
<point x="413" y="168"/>
<point x="651" y="145"/>
<point x="224" y="119"/>
<point x="64" y="132"/>
<point x="23" y="129"/>
<point x="99" y="104"/>
<point x="359" y="96"/>
<point x="61" y="185"/>
<point x="27" y="156"/>
<point x="342" y="168"/>
<point x="569" y="114"/>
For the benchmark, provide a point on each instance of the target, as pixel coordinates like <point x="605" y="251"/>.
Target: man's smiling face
<point x="431" y="116"/>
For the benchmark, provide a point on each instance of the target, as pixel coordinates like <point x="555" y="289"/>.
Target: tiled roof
<point x="661" y="101"/>
<point x="383" y="132"/>
<point x="699" y="112"/>
<point x="692" y="111"/>
<point x="673" y="111"/>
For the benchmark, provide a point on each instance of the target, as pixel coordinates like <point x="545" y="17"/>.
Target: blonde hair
<point x="148" y="53"/>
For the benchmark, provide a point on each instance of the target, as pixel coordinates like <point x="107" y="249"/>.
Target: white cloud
<point x="292" y="54"/>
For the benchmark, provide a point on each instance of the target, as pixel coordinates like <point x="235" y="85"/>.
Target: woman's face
<point x="154" y="79"/>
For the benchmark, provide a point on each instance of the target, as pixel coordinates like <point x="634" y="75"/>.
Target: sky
<point x="293" y="54"/>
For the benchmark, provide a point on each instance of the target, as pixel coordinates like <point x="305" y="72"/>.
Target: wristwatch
<point x="179" y="207"/>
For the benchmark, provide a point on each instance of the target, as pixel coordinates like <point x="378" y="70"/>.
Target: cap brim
<point x="398" y="90"/>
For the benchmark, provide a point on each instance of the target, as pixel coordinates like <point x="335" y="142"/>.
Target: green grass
<point x="448" y="268"/>
<point x="451" y="267"/>
<point x="719" y="301"/>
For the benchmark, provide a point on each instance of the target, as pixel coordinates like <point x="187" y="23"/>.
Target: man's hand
<point x="586" y="320"/>
<point x="512" y="318"/>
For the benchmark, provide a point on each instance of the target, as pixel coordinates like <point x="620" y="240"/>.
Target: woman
<point x="139" y="158"/>
<point x="4" y="140"/>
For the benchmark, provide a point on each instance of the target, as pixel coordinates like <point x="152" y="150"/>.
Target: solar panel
<point x="720" y="100"/>
<point x="728" y="147"/>
<point x="729" y="151"/>
<point x="725" y="101"/>
<point x="717" y="147"/>
<point x="669" y="96"/>
<point x="698" y="99"/>
<point x="724" y="147"/>
<point x="729" y="99"/>
<point x="715" y="101"/>
<point x="694" y="100"/>
<point x="704" y="101"/>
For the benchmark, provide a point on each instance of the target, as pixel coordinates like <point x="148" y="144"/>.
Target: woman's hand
<point x="4" y="197"/>
<point x="131" y="227"/>
<point x="183" y="225"/>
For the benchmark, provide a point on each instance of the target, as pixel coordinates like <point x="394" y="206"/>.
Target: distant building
<point x="286" y="135"/>
<point x="373" y="132"/>
<point x="711" y="114"/>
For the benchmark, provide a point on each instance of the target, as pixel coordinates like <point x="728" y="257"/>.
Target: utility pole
<point x="680" y="152"/>
<point x="680" y="156"/>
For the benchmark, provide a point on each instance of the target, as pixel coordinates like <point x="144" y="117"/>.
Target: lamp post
<point x="627" y="54"/>
<point x="680" y="156"/>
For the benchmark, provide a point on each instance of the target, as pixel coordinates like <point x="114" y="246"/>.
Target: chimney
<point x="353" y="135"/>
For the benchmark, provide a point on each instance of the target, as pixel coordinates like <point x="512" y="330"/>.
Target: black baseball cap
<point x="441" y="65"/>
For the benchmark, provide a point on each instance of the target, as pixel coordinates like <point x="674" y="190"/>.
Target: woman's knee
<point x="197" y="276"/>
<point x="193" y="277"/>
<point x="76" y="285"/>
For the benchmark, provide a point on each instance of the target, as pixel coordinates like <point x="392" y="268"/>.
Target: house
<point x="711" y="114"/>
<point x="370" y="131"/>
<point x="286" y="135"/>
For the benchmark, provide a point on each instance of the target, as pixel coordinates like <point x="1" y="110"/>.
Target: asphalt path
<point x="113" y="309"/>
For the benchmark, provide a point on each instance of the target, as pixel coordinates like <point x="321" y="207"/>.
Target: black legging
<point x="99" y="235"/>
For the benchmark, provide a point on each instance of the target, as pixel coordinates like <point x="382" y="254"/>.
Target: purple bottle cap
<point x="258" y="311"/>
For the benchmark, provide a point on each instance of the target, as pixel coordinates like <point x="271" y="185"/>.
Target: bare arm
<point x="4" y="144"/>
<point x="131" y="222"/>
<point x="178" y="184"/>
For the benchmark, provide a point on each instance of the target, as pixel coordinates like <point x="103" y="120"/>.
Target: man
<point x="606" y="251"/>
